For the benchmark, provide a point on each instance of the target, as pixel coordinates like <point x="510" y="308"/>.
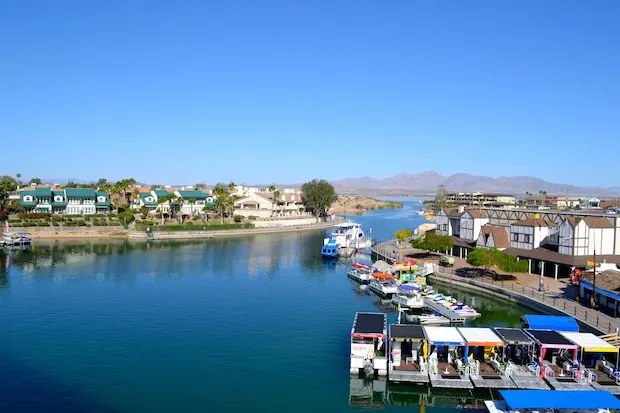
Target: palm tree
<point x="18" y="176"/>
<point x="276" y="198"/>
<point x="191" y="202"/>
<point x="222" y="200"/>
<point x="200" y="186"/>
<point x="272" y="188"/>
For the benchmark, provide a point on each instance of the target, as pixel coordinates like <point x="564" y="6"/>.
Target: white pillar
<point x="529" y="266"/>
<point x="542" y="271"/>
<point x="517" y="258"/>
<point x="557" y="266"/>
<point x="452" y="251"/>
<point x="465" y="253"/>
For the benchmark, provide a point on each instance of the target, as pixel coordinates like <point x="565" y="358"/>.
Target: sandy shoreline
<point x="116" y="233"/>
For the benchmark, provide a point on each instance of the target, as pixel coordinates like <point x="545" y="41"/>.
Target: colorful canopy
<point x="444" y="336"/>
<point x="480" y="337"/>
<point x="382" y="275"/>
<point x="550" y="322"/>
<point x="590" y="343"/>
<point x="560" y="399"/>
<point x="357" y="265"/>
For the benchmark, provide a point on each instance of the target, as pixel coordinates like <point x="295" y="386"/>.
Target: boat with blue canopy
<point x="554" y="400"/>
<point x="409" y="296"/>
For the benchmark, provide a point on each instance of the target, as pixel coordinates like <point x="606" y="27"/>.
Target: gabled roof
<point x="476" y="213"/>
<point x="144" y="196"/>
<point x="160" y="193"/>
<point x="104" y="203"/>
<point x="80" y="193"/>
<point x="592" y="222"/>
<point x="534" y="222"/>
<point x="43" y="192"/>
<point x="452" y="212"/>
<point x="194" y="194"/>
<point x="500" y="235"/>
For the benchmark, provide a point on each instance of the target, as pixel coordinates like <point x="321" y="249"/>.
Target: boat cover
<point x="560" y="399"/>
<point x="590" y="343"/>
<point x="409" y="287"/>
<point x="550" y="322"/>
<point x="384" y="266"/>
<point x="480" y="337"/>
<point x="444" y="336"/>
<point x="382" y="276"/>
<point x="514" y="336"/>
<point x="369" y="324"/>
<point x="410" y="332"/>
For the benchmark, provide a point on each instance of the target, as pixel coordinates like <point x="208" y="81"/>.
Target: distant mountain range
<point x="428" y="181"/>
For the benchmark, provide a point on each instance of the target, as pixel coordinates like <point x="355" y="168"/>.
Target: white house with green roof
<point x="67" y="201"/>
<point x="194" y="201"/>
<point x="146" y="200"/>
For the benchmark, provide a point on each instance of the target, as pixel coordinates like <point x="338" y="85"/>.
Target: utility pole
<point x="593" y="300"/>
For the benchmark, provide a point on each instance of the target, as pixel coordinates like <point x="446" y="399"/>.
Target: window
<point x="526" y="238"/>
<point x="27" y="198"/>
<point x="515" y="237"/>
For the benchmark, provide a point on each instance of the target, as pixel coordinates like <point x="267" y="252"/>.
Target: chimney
<point x="461" y="209"/>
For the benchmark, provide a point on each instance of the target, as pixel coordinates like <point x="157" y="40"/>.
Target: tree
<point x="488" y="257"/>
<point x="200" y="186"/>
<point x="440" y="198"/>
<point x="318" y="196"/>
<point x="101" y="182"/>
<point x="191" y="202"/>
<point x="222" y="199"/>
<point x="276" y="198"/>
<point x="272" y="188"/>
<point x="36" y="181"/>
<point x="403" y="234"/>
<point x="432" y="242"/>
<point x="7" y="185"/>
<point x="482" y="257"/>
<point x="154" y="187"/>
<point x="18" y="176"/>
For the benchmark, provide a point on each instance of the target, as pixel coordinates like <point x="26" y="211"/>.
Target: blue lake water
<point x="255" y="323"/>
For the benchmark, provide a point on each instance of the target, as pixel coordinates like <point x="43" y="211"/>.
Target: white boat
<point x="361" y="273"/>
<point x="348" y="234"/>
<point x="383" y="286"/>
<point x="433" y="319"/>
<point x="15" y="238"/>
<point x="408" y="296"/>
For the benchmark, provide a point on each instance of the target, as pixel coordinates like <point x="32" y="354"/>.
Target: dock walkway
<point x="553" y="300"/>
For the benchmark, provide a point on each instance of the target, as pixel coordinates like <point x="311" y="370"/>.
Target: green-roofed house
<point x="86" y="201"/>
<point x="145" y="200"/>
<point x="102" y="203"/>
<point x="59" y="202"/>
<point x="68" y="201"/>
<point x="194" y="201"/>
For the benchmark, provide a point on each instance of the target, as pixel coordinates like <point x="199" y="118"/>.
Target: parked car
<point x="446" y="261"/>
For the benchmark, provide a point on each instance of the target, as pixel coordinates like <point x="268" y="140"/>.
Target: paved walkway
<point x="558" y="294"/>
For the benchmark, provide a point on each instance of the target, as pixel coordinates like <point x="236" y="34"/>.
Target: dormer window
<point x="28" y="198"/>
<point x="101" y="199"/>
<point x="149" y="199"/>
<point x="58" y="198"/>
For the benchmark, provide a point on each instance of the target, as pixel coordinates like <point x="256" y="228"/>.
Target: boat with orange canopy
<point x="384" y="285"/>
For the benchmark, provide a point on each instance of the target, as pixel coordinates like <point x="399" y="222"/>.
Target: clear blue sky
<point x="260" y="91"/>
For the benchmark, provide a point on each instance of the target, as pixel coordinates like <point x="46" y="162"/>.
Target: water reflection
<point x="379" y="392"/>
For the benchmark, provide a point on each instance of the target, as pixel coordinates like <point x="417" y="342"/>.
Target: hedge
<point x="200" y="227"/>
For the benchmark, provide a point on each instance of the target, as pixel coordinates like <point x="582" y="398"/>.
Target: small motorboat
<point x="384" y="285"/>
<point x="408" y="296"/>
<point x="361" y="273"/>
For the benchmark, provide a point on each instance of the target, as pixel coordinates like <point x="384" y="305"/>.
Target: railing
<point x="596" y="319"/>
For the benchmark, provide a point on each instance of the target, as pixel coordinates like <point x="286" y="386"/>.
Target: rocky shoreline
<point x="361" y="204"/>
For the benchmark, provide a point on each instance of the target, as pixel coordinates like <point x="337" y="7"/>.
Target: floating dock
<point x="407" y="346"/>
<point x="444" y="311"/>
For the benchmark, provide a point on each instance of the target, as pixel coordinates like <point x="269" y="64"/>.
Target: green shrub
<point x="201" y="227"/>
<point x="29" y="224"/>
<point x="43" y="224"/>
<point x="33" y="215"/>
<point x="147" y="223"/>
<point x="15" y="221"/>
<point x="252" y="218"/>
<point x="70" y="224"/>
<point x="238" y="218"/>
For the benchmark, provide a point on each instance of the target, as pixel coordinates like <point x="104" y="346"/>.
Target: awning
<point x="551" y="339"/>
<point x="514" y="336"/>
<point x="444" y="336"/>
<point x="560" y="399"/>
<point x="406" y="332"/>
<point x="480" y="337"/>
<point x="383" y="266"/>
<point x="590" y="343"/>
<point x="550" y="322"/>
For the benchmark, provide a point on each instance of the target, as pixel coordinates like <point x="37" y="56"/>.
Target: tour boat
<point x="361" y="273"/>
<point x="368" y="344"/>
<point x="408" y="296"/>
<point x="348" y="234"/>
<point x="383" y="284"/>
<point x="331" y="249"/>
